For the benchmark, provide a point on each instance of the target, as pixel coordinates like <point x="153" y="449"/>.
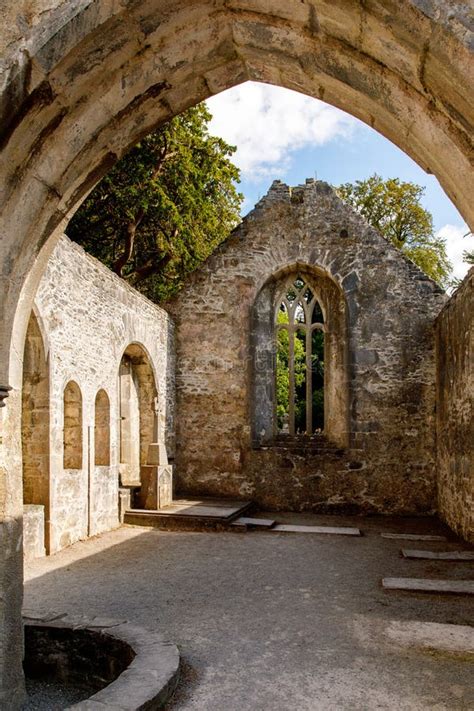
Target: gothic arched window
<point x="72" y="432"/>
<point x="102" y="429"/>
<point x="299" y="345"/>
<point x="299" y="335"/>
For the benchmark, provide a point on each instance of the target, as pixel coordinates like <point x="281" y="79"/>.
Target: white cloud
<point x="267" y="124"/>
<point x="456" y="244"/>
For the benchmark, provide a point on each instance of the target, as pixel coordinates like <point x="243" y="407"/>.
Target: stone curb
<point x="149" y="681"/>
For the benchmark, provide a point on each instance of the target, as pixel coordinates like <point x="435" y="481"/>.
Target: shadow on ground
<point x="274" y="621"/>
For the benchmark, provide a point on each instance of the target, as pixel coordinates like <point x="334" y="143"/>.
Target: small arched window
<point x="299" y="335"/>
<point x="102" y="430"/>
<point x="72" y="432"/>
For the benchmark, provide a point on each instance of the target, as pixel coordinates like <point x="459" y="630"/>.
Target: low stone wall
<point x="455" y="423"/>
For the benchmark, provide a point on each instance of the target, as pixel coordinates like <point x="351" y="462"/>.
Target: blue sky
<point x="283" y="135"/>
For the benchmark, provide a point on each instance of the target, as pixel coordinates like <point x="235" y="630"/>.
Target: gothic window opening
<point x="102" y="429"/>
<point x="72" y="433"/>
<point x="35" y="423"/>
<point x="299" y="324"/>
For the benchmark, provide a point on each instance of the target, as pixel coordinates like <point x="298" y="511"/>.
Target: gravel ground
<point x="273" y="621"/>
<point x="51" y="696"/>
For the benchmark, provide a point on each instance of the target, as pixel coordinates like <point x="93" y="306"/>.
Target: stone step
<point x="254" y="522"/>
<point x="325" y="530"/>
<point x="190" y="514"/>
<point x="414" y="537"/>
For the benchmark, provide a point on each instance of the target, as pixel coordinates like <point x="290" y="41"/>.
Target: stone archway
<point x="138" y="395"/>
<point x="89" y="77"/>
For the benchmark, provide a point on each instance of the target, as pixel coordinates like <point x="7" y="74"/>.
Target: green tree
<point x="164" y="207"/>
<point x="282" y="370"/>
<point x="394" y="208"/>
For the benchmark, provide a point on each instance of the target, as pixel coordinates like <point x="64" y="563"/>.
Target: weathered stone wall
<point x="455" y="422"/>
<point x="389" y="463"/>
<point x="89" y="317"/>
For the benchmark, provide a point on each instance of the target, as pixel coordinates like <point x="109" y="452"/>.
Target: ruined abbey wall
<point x="387" y="463"/>
<point x="455" y="423"/>
<point x="88" y="317"/>
<point x="379" y="452"/>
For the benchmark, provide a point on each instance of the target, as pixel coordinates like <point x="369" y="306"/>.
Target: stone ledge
<point x="146" y="684"/>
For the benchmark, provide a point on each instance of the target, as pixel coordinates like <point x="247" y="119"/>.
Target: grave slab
<point x="457" y="587"/>
<point x="334" y="530"/>
<point x="413" y="536"/>
<point x="438" y="555"/>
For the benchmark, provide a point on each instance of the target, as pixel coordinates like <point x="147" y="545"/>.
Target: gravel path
<point x="51" y="696"/>
<point x="273" y="621"/>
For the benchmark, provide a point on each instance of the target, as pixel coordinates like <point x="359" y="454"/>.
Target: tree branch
<point x="150" y="267"/>
<point x="125" y="257"/>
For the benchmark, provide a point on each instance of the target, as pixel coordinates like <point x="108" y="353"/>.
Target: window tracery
<point x="299" y="335"/>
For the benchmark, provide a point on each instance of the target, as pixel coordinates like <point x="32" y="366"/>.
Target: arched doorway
<point x="138" y="416"/>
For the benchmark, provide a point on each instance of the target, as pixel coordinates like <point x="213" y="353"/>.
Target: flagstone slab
<point x="414" y="536"/>
<point x="458" y="587"/>
<point x="439" y="555"/>
<point x="334" y="530"/>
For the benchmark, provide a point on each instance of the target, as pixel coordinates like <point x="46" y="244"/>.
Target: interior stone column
<point x="12" y="688"/>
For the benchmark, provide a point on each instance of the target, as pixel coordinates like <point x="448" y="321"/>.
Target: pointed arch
<point x="138" y="397"/>
<point x="299" y="370"/>
<point x="35" y="422"/>
<point x="301" y="302"/>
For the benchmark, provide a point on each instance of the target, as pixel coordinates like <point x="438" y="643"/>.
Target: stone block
<point x="157" y="487"/>
<point x="33" y="531"/>
<point x="157" y="455"/>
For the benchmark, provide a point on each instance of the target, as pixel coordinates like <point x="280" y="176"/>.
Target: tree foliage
<point x="164" y="207"/>
<point x="468" y="258"/>
<point x="394" y="208"/>
<point x="283" y="371"/>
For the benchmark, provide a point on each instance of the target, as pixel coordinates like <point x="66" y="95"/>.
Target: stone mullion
<point x="309" y="382"/>
<point x="291" y="371"/>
